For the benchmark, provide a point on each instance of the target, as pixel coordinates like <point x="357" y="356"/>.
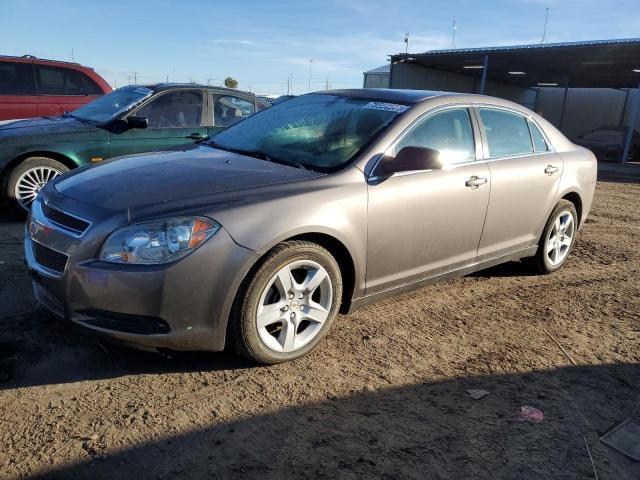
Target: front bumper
<point x="179" y="306"/>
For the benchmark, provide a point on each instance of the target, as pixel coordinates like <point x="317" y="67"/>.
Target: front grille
<point x="65" y="220"/>
<point x="48" y="258"/>
<point x="122" y="322"/>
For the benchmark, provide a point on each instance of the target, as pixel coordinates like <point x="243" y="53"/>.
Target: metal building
<point x="378" y="77"/>
<point x="578" y="86"/>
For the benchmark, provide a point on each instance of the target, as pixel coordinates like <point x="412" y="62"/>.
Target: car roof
<point x="41" y="61"/>
<point x="388" y="94"/>
<point x="160" y="87"/>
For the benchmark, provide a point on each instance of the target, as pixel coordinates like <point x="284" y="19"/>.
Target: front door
<point x="525" y="177"/>
<point x="421" y="224"/>
<point x="175" y="118"/>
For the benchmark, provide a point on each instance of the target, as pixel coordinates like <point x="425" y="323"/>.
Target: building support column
<point x="564" y="104"/>
<point x="485" y="69"/>
<point x="633" y="119"/>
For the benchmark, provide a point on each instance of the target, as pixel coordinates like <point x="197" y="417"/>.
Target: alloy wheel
<point x="31" y="182"/>
<point x="560" y="238"/>
<point x="294" y="306"/>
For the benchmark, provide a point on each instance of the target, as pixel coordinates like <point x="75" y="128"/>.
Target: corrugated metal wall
<point x="585" y="109"/>
<point x="376" y="80"/>
<point x="406" y="75"/>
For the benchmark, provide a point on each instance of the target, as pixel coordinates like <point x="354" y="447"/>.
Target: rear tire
<point x="557" y="240"/>
<point x="285" y="307"/>
<point x="28" y="177"/>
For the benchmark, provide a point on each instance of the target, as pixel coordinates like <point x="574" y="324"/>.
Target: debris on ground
<point x="625" y="438"/>
<point x="530" y="414"/>
<point x="477" y="393"/>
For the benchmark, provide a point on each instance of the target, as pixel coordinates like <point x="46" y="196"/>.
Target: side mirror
<point x="412" y="158"/>
<point x="137" y="122"/>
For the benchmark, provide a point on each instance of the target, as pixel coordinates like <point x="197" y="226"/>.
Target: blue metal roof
<point x="384" y="69"/>
<point x="534" y="46"/>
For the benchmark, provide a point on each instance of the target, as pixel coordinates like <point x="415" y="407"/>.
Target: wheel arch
<point x="60" y="157"/>
<point x="574" y="197"/>
<point x="345" y="261"/>
<point x="335" y="247"/>
<point x="5" y="172"/>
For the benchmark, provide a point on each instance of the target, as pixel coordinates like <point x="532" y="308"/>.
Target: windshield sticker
<point x="387" y="107"/>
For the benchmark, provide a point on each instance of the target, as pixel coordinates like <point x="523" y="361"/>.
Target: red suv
<point x="30" y="87"/>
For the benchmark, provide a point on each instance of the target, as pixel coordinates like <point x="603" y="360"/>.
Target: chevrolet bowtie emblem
<point x="36" y="227"/>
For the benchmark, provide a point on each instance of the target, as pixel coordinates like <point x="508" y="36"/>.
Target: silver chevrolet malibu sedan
<point x="257" y="238"/>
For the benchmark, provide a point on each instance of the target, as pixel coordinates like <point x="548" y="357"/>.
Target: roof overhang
<point x="592" y="64"/>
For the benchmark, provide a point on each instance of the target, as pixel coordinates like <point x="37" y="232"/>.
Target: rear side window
<point x="507" y="133"/>
<point x="449" y="132"/>
<point x="177" y="109"/>
<point x="17" y="79"/>
<point x="228" y="110"/>
<point x="65" y="81"/>
<point x="539" y="142"/>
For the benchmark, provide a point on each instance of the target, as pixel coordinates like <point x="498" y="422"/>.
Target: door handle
<point x="475" y="182"/>
<point x="550" y="170"/>
<point x="195" y="136"/>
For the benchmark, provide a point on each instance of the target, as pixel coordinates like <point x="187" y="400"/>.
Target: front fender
<point x="334" y="205"/>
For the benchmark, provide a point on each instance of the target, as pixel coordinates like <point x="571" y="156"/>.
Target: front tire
<point x="28" y="178"/>
<point x="286" y="307"/>
<point x="557" y="239"/>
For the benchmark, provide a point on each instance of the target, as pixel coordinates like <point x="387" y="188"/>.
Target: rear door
<point x="176" y="117"/>
<point x="18" y="98"/>
<point x="424" y="223"/>
<point x="63" y="89"/>
<point x="228" y="109"/>
<point x="525" y="176"/>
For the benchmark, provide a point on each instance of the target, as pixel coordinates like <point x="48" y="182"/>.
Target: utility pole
<point x="290" y="84"/>
<point x="406" y="42"/>
<point x="135" y="78"/>
<point x="546" y="23"/>
<point x="454" y="27"/>
<point x="73" y="57"/>
<point x="310" y="62"/>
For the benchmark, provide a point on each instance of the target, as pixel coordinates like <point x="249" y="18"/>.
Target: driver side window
<point x="449" y="132"/>
<point x="178" y="109"/>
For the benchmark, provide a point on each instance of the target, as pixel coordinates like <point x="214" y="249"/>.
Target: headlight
<point x="159" y="241"/>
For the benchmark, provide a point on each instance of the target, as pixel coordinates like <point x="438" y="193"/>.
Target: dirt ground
<point x="384" y="397"/>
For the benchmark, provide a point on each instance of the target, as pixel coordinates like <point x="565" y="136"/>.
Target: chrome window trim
<point x="453" y="166"/>
<point x="475" y="127"/>
<point x="527" y="117"/>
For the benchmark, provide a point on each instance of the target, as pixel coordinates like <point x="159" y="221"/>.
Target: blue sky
<point x="261" y="42"/>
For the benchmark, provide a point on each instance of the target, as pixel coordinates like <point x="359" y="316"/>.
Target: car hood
<point x="170" y="178"/>
<point x="32" y="127"/>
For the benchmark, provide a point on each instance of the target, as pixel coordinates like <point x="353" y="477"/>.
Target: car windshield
<point x="110" y="106"/>
<point x="318" y="131"/>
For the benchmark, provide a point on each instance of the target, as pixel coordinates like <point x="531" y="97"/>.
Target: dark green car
<point x="130" y="120"/>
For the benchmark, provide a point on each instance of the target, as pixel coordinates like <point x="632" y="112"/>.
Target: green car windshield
<point x="317" y="131"/>
<point x="108" y="107"/>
